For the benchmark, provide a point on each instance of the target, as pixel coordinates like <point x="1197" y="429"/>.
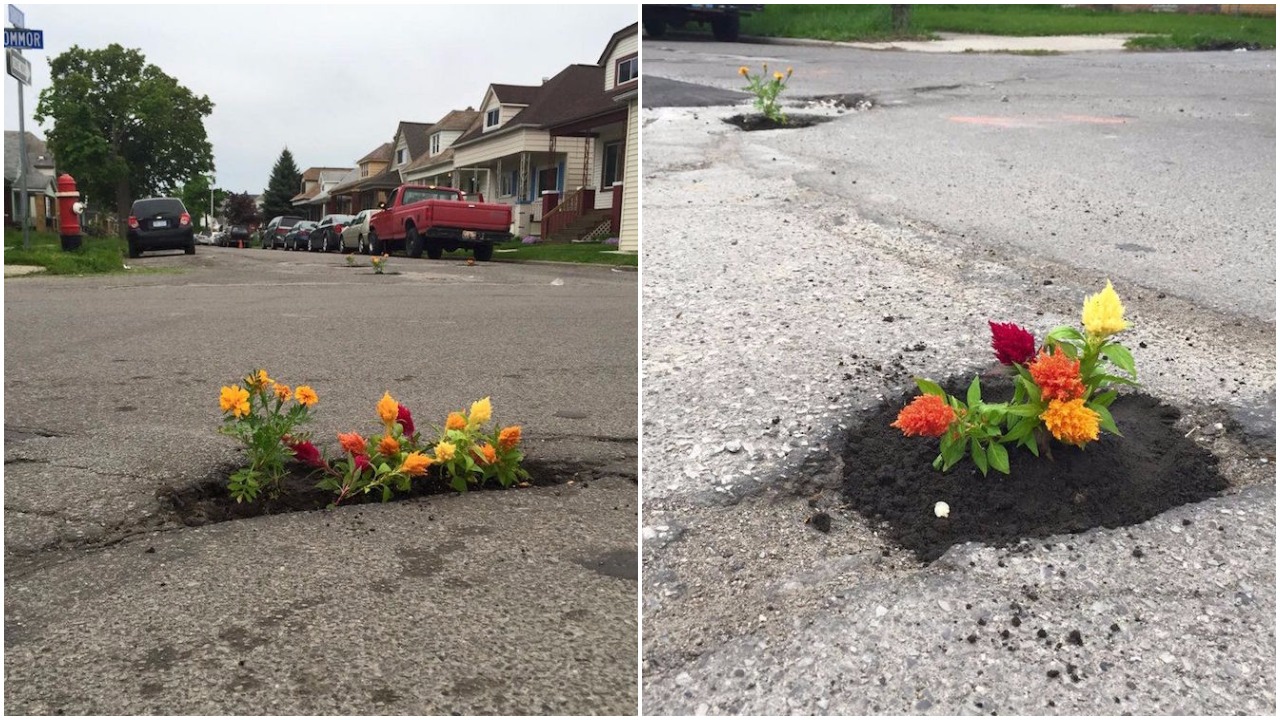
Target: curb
<point x="16" y="270"/>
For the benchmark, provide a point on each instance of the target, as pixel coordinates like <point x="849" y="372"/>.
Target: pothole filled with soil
<point x="760" y="122"/>
<point x="209" y="501"/>
<point x="1114" y="482"/>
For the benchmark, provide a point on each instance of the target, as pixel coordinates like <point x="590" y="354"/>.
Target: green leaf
<point x="1024" y="411"/>
<point x="1029" y="442"/>
<point x="1105" y="421"/>
<point x="979" y="457"/>
<point x="998" y="457"/>
<point x="928" y="387"/>
<point x="1064" y="332"/>
<point x="952" y="451"/>
<point x="1105" y="399"/>
<point x="1121" y="357"/>
<point x="974" y="397"/>
<point x="1116" y="380"/>
<point x="937" y="462"/>
<point x="386" y="493"/>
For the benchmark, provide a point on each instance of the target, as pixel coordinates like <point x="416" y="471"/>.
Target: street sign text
<point x="24" y="39"/>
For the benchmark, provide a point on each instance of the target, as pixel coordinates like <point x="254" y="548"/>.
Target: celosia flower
<point x="362" y="463"/>
<point x="455" y="422"/>
<point x="926" y="416"/>
<point x="235" y="399"/>
<point x="1071" y="422"/>
<point x="307" y="454"/>
<point x="258" y="380"/>
<point x="1013" y="345"/>
<point x="352" y="443"/>
<point x="281" y="391"/>
<point x="1103" y="313"/>
<point x="305" y="396"/>
<point x="388" y="446"/>
<point x="481" y="411"/>
<point x="445" y="451"/>
<point x="405" y="418"/>
<point x="388" y="409"/>
<point x="486" y="454"/>
<point x="415" y="464"/>
<point x="1057" y="375"/>
<point x="509" y="437"/>
<point x="743" y="71"/>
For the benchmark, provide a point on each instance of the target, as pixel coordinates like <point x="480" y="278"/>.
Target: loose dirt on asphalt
<point x="777" y="316"/>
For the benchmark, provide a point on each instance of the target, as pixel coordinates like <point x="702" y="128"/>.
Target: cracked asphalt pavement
<point x="515" y="602"/>
<point x="794" y="279"/>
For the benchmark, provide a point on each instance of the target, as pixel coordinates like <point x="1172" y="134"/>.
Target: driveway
<point x="796" y="279"/>
<point x="510" y="602"/>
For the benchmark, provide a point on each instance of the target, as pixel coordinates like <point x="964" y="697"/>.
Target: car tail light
<point x="337" y="228"/>
<point x="133" y="222"/>
<point x="185" y="219"/>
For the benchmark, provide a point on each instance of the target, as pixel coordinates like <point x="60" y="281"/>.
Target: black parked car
<point x="273" y="234"/>
<point x="160" y="224"/>
<point x="328" y="234"/>
<point x="233" y="237"/>
<point x="299" y="235"/>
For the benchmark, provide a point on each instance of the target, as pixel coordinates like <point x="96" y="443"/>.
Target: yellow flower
<point x="235" y="399"/>
<point x="388" y="408"/>
<point x="481" y="411"/>
<point x="281" y="391"/>
<point x="743" y="71"/>
<point x="1071" y="422"/>
<point x="305" y="396"/>
<point x="777" y="76"/>
<point x="445" y="451"/>
<point x="258" y="380"/>
<point x="415" y="463"/>
<point x="455" y="422"/>
<point x="789" y="71"/>
<point x="1103" y="314"/>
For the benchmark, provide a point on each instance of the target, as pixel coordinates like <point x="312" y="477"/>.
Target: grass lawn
<point x="591" y="253"/>
<point x="95" y="255"/>
<point x="873" y="22"/>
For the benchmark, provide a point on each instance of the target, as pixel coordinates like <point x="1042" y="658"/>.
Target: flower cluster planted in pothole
<point x="1062" y="388"/>
<point x="766" y="89"/>
<point x="465" y="451"/>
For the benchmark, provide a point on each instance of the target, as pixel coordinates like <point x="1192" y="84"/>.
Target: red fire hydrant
<point x="69" y="209"/>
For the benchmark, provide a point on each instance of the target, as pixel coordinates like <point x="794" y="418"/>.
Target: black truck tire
<point x="375" y="245"/>
<point x="412" y="242"/>
<point x="483" y="253"/>
<point x="435" y="249"/>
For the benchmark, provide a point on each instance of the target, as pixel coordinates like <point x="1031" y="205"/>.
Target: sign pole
<point x="22" y="168"/>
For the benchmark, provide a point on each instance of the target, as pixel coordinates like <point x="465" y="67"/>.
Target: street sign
<point x="19" y="67"/>
<point x="24" y="39"/>
<point x="16" y="16"/>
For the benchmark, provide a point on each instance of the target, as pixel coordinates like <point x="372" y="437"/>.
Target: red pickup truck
<point x="427" y="217"/>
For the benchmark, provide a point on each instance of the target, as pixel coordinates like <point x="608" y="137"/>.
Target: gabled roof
<point x="575" y="92"/>
<point x="39" y="160"/>
<point x="415" y="136"/>
<point x="515" y="94"/>
<point x="382" y="153"/>
<point x="456" y="120"/>
<point x="632" y="29"/>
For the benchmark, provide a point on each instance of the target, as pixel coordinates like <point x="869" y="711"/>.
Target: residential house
<point x="375" y="178"/>
<point x="41" y="207"/>
<point x="314" y="198"/>
<point x="435" y="166"/>
<point x="611" y="122"/>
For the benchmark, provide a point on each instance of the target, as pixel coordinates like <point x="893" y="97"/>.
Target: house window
<point x="402" y="155"/>
<point x="628" y="69"/>
<point x="507" y="184"/>
<point x="491" y="118"/>
<point x="612" y="170"/>
<point x="435" y="144"/>
<point x="364" y="171"/>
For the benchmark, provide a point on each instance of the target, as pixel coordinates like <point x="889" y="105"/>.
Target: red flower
<point x="1012" y="344"/>
<point x="927" y="416"/>
<point x="362" y="462"/>
<point x="405" y="418"/>
<point x="307" y="454"/>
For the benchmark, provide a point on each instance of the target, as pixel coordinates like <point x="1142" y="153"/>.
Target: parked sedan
<point x="273" y="234"/>
<point x="299" y="235"/>
<point x="356" y="233"/>
<point x="160" y="224"/>
<point x="327" y="236"/>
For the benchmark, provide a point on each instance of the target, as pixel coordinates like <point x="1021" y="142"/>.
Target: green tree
<point x="285" y="182"/>
<point x="240" y="209"/>
<point x="122" y="127"/>
<point x="195" y="195"/>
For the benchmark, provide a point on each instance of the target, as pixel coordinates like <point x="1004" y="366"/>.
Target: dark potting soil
<point x="760" y="122"/>
<point x="210" y="502"/>
<point x="1114" y="482"/>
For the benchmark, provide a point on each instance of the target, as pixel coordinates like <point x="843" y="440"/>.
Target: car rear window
<point x="158" y="206"/>
<point x="289" y="221"/>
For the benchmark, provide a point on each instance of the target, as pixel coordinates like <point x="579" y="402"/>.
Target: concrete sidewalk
<point x="963" y="43"/>
<point x="15" y="270"/>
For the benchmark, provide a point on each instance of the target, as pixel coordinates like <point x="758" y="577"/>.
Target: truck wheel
<point x="725" y="29"/>
<point x="361" y="247"/>
<point x="413" y="243"/>
<point x="375" y="245"/>
<point x="435" y="250"/>
<point x="483" y="253"/>
<point x="655" y="27"/>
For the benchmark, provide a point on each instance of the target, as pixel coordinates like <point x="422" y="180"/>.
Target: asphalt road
<point x="516" y="602"/>
<point x="794" y="279"/>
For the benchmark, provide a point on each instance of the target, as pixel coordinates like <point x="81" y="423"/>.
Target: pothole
<point x="1115" y="482"/>
<point x="208" y="501"/>
<point x="754" y="122"/>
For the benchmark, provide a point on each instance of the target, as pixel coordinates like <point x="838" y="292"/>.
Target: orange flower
<point x="456" y="421"/>
<point x="235" y="399"/>
<point x="305" y="396"/>
<point x="258" y="380"/>
<point x="352" y="443"/>
<point x="926" y="416"/>
<point x="1057" y="375"/>
<point x="388" y="409"/>
<point x="281" y="391"/>
<point x="509" y="437"/>
<point x="486" y="454"/>
<point x="388" y="446"/>
<point x="1071" y="422"/>
<point x="415" y="464"/>
<point x="743" y="71"/>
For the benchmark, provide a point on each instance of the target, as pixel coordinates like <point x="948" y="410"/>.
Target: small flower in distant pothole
<point x="415" y="464"/>
<point x="352" y="442"/>
<point x="445" y="451"/>
<point x="405" y="418"/>
<point x="282" y="392"/>
<point x="456" y="421"/>
<point x="941" y="509"/>
<point x="305" y="396"/>
<point x="388" y="409"/>
<point x="388" y="446"/>
<point x="509" y="437"/>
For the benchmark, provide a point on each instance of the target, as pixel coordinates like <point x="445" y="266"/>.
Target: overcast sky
<point x="330" y="82"/>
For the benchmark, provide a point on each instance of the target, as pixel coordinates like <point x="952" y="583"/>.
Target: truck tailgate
<point x="471" y="216"/>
